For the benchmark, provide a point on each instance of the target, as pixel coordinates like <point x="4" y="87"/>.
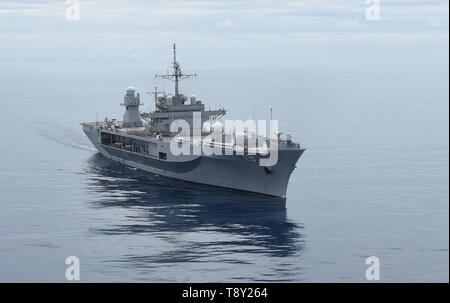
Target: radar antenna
<point x="176" y="75"/>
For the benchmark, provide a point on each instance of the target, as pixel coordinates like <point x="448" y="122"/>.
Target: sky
<point x="411" y="35"/>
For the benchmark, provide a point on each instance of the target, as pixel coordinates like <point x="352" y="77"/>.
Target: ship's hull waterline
<point x="234" y="172"/>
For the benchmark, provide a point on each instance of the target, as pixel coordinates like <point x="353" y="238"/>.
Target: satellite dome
<point x="130" y="91"/>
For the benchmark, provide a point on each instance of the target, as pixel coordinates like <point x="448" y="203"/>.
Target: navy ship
<point x="182" y="140"/>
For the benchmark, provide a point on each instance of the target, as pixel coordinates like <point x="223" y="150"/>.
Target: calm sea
<point x="373" y="182"/>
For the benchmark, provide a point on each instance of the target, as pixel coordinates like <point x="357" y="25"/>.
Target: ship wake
<point x="65" y="136"/>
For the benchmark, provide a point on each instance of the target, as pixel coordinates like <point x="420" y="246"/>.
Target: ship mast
<point x="176" y="75"/>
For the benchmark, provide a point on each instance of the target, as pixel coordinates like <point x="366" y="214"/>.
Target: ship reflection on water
<point x="209" y="222"/>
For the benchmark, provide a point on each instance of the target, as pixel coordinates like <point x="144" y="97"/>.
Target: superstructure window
<point x="163" y="156"/>
<point x="106" y="138"/>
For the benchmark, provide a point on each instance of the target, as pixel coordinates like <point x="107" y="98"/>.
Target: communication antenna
<point x="156" y="96"/>
<point x="176" y="75"/>
<point x="270" y="123"/>
<point x="155" y="93"/>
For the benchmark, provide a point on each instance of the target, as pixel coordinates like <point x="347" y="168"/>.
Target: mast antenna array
<point x="176" y="75"/>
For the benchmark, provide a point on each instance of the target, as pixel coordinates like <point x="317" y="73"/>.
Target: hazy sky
<point x="305" y="34"/>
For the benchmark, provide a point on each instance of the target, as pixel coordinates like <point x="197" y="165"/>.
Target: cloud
<point x="227" y="24"/>
<point x="108" y="29"/>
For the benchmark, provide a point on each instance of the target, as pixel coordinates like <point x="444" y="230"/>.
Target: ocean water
<point x="372" y="182"/>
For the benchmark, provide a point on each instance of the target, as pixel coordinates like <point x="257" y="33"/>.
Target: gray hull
<point x="235" y="172"/>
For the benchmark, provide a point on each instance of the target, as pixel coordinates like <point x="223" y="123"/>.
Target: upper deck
<point x="142" y="132"/>
<point x="229" y="140"/>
